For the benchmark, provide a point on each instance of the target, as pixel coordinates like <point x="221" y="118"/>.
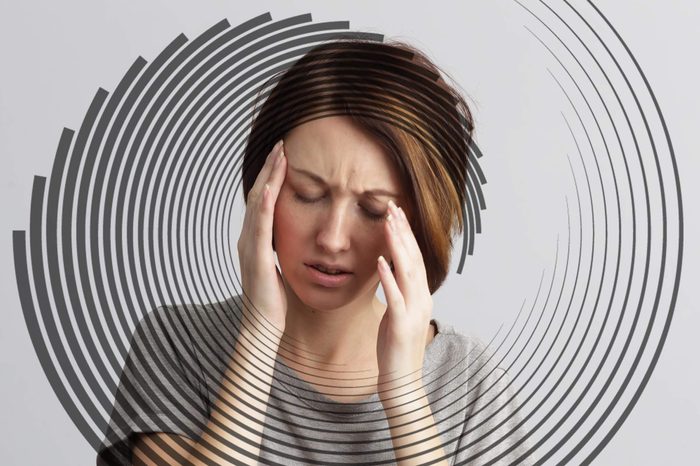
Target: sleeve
<point x="493" y="432"/>
<point x="156" y="391"/>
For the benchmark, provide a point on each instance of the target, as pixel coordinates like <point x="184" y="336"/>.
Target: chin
<point x="322" y="299"/>
<point x="319" y="297"/>
<point x="330" y="299"/>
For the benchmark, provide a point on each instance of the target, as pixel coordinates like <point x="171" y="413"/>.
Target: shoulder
<point x="469" y="356"/>
<point x="493" y="420"/>
<point x="195" y="320"/>
<point x="186" y="333"/>
<point x="453" y="344"/>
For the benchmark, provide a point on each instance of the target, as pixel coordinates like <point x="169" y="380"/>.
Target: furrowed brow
<point x="318" y="179"/>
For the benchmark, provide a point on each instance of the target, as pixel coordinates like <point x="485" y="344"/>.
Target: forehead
<point x="340" y="151"/>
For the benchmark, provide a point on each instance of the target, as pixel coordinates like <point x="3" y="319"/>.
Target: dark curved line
<point x="620" y="319"/>
<point x="140" y="111"/>
<point x="523" y="403"/>
<point x="201" y="186"/>
<point x="186" y="138"/>
<point x="463" y="255"/>
<point x="605" y="252"/>
<point x="473" y="217"/>
<point x="569" y="365"/>
<point x="33" y="257"/>
<point x="61" y="305"/>
<point x="113" y="247"/>
<point x="376" y="116"/>
<point x="512" y="380"/>
<point x="117" y="162"/>
<point x="53" y="284"/>
<point x="88" y="172"/>
<point x="618" y="394"/>
<point x="104" y="186"/>
<point x="551" y="320"/>
<point x="38" y="262"/>
<point x="476" y="217"/>
<point x="667" y="323"/>
<point x="633" y="209"/>
<point x="585" y="364"/>
<point x="125" y="200"/>
<point x="82" y="281"/>
<point x="569" y="339"/>
<point x="212" y="31"/>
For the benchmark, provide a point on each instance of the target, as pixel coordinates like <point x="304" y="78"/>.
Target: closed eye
<point x="370" y="215"/>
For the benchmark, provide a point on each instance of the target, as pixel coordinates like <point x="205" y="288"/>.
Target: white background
<point x="54" y="55"/>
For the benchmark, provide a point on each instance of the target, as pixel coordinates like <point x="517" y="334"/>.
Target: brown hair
<point x="394" y="92"/>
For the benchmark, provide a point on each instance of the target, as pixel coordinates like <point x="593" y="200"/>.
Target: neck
<point x="341" y="339"/>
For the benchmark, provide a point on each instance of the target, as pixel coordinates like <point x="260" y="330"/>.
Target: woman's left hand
<point x="403" y="329"/>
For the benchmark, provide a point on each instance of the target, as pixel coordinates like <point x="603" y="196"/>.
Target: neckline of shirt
<point x="306" y="394"/>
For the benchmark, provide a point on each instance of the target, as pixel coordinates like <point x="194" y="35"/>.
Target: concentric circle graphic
<point x="139" y="209"/>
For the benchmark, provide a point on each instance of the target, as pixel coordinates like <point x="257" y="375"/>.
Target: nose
<point x="334" y="231"/>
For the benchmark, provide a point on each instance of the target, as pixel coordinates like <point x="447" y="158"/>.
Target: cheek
<point x="289" y="228"/>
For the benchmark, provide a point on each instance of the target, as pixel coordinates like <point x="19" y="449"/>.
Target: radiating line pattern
<point x="138" y="209"/>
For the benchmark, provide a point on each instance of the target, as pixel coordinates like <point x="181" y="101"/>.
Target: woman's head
<point x="365" y="115"/>
<point x="331" y="209"/>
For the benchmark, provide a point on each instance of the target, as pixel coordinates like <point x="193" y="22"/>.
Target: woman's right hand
<point x="263" y="289"/>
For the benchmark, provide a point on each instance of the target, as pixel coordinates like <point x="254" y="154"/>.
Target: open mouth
<point x="328" y="271"/>
<point x="328" y="279"/>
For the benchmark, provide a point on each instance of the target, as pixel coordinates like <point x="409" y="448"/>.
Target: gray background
<point x="56" y="54"/>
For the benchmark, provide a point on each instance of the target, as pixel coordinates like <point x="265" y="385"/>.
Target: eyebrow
<point x="315" y="177"/>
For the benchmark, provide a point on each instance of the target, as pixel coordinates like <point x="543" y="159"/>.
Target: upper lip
<point x="326" y="265"/>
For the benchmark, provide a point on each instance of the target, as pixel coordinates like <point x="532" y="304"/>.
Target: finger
<point x="262" y="224"/>
<point x="405" y="232"/>
<point x="267" y="168"/>
<point x="397" y="248"/>
<point x="418" y="292"/>
<point x="271" y="190"/>
<point x="394" y="298"/>
<point x="278" y="172"/>
<point x="410" y="272"/>
<point x="412" y="248"/>
<point x="408" y="238"/>
<point x="257" y="195"/>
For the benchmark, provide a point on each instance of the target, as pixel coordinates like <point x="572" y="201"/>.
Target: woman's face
<point x="331" y="209"/>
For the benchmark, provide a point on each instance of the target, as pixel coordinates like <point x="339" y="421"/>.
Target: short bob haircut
<point x="395" y="93"/>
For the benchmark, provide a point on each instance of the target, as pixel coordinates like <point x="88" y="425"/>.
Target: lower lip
<point x="327" y="280"/>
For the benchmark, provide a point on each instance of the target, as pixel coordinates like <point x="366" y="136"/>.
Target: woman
<point x="364" y="185"/>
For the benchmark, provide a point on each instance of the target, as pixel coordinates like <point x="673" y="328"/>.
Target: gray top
<point x="178" y="356"/>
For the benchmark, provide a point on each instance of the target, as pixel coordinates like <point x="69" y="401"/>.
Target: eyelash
<point x="369" y="215"/>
